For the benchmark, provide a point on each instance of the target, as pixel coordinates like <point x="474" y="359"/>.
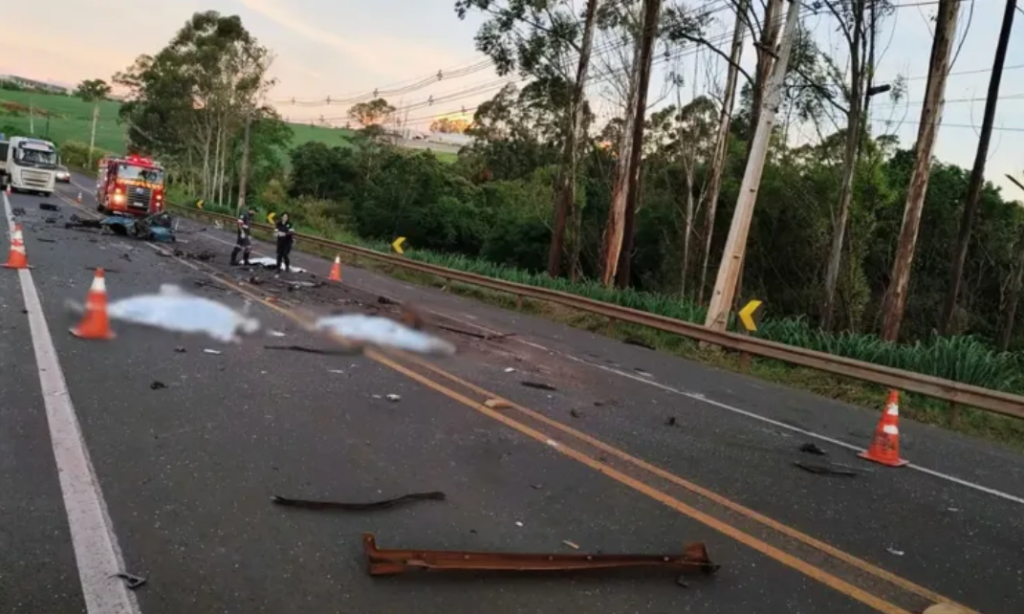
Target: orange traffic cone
<point x="95" y="323"/>
<point x="336" y="270"/>
<point x="16" y="258"/>
<point x="885" y="447"/>
<point x="79" y="199"/>
<point x="8" y="189"/>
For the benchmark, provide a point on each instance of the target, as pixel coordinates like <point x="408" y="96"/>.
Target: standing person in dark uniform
<point x="244" y="242"/>
<point x="285" y="240"/>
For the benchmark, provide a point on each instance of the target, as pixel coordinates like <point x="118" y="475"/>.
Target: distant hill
<point x="66" y="118"/>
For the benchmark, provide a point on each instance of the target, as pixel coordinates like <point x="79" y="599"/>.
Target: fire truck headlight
<point x="118" y="198"/>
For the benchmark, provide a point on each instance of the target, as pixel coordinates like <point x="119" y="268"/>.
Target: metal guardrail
<point x="955" y="393"/>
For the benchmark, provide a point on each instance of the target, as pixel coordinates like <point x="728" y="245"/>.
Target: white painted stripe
<point x="703" y="399"/>
<point x="890" y="429"/>
<point x="97" y="553"/>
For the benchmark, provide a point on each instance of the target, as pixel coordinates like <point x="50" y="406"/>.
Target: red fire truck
<point x="130" y="185"/>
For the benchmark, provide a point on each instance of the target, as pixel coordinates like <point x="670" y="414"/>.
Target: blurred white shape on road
<point x="175" y="310"/>
<point x="272" y="263"/>
<point x="382" y="332"/>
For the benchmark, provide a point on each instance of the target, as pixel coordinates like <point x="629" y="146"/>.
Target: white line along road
<point x="97" y="553"/>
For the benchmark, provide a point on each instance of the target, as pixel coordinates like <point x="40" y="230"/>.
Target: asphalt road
<point x="632" y="451"/>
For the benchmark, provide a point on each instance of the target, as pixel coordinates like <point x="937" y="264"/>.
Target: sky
<point x="346" y="48"/>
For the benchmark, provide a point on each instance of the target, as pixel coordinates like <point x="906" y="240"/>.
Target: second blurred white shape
<point x="382" y="332"/>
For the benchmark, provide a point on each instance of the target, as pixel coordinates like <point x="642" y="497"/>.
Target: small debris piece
<point x="205" y="256"/>
<point x="638" y="343"/>
<point x="826" y="469"/>
<point x="953" y="509"/>
<point x="50" y="220"/>
<point x="126" y="256"/>
<point x="509" y="370"/>
<point x="132" y="581"/>
<point x="572" y="545"/>
<point x="359" y="507"/>
<point x="45" y="240"/>
<point x="539" y="386"/>
<point x="214" y="352"/>
<point x="681" y="581"/>
<point x="497" y="404"/>
<point x="18" y="211"/>
<point x="575" y="414"/>
<point x="811" y="448"/>
<point x="671" y="421"/>
<point x="394" y="398"/>
<point x="157" y="385"/>
<point x="276" y="333"/>
<point x="536" y="486"/>
<point x="309" y="350"/>
<point x="643" y="373"/>
<point x="180" y="350"/>
<point x="383" y="300"/>
<point x="519" y="524"/>
<point x="895" y="552"/>
<point x="49" y="207"/>
<point x="336" y="371"/>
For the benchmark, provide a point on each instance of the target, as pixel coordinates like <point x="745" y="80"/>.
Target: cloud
<point x="388" y="57"/>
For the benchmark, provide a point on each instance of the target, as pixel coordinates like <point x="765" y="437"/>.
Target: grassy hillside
<point x="65" y="118"/>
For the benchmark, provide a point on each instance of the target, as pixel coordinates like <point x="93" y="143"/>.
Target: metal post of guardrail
<point x="954" y="414"/>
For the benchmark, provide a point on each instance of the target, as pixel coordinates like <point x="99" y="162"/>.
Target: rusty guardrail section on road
<point x="954" y="393"/>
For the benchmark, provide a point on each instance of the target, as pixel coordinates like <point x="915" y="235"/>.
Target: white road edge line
<point x="97" y="553"/>
<point x="703" y="399"/>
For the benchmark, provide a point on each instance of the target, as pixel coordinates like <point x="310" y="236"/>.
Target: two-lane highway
<point x="616" y="458"/>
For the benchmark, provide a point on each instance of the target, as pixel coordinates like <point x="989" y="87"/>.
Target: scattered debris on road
<point x="671" y="421"/>
<point x="49" y="207"/>
<point x="811" y="448"/>
<point x="157" y="385"/>
<point x="275" y="333"/>
<point x="509" y="370"/>
<point x="638" y="343"/>
<point x="539" y="386"/>
<point x="213" y="352"/>
<point x="389" y="562"/>
<point x="383" y="300"/>
<point x="497" y="404"/>
<point x="308" y="350"/>
<point x="359" y="507"/>
<point x="894" y="551"/>
<point x="45" y="240"/>
<point x="575" y="413"/>
<point x="76" y="222"/>
<point x="18" y="211"/>
<point x="131" y="581"/>
<point x="469" y="333"/>
<point x="826" y="469"/>
<point x="394" y="398"/>
<point x="571" y="544"/>
<point x="180" y="350"/>
<point x="643" y="373"/>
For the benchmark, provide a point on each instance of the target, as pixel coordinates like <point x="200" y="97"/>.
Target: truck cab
<point x="31" y="165"/>
<point x="131" y="185"/>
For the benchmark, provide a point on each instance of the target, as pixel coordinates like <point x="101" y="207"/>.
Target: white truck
<point x="31" y="165"/>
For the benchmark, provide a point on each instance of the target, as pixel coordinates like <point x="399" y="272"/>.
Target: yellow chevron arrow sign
<point x="750" y="315"/>
<point x="397" y="245"/>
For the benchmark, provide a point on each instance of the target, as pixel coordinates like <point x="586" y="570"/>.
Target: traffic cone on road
<point x="16" y="258"/>
<point x="95" y="323"/>
<point x="8" y="189"/>
<point x="79" y="198"/>
<point x="885" y="447"/>
<point x="336" y="270"/>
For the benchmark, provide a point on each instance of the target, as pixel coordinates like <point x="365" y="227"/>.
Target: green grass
<point x="70" y="119"/>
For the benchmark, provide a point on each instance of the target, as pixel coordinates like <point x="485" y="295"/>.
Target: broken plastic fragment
<point x="382" y="332"/>
<point x="394" y="398"/>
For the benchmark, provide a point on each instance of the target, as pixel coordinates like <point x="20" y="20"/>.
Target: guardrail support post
<point x="954" y="414"/>
<point x="519" y="301"/>
<point x="744" y="362"/>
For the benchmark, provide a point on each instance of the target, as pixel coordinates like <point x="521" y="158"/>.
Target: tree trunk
<point x="565" y="199"/>
<point x="896" y="295"/>
<point x="977" y="173"/>
<point x="1010" y="313"/>
<point x="770" y="29"/>
<point x="206" y="193"/>
<point x="721" y="144"/>
<point x="687" y="229"/>
<point x="243" y="181"/>
<point x="850" y="156"/>
<point x="92" y="134"/>
<point x="624" y="272"/>
<point x="630" y="150"/>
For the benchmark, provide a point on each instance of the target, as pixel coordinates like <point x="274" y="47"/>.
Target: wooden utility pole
<point x="722" y="143"/>
<point x="566" y="197"/>
<point x="243" y="180"/>
<point x="931" y="114"/>
<point x="628" y="169"/>
<point x="92" y="132"/>
<point x="736" y="244"/>
<point x="956" y="272"/>
<point x="31" y="116"/>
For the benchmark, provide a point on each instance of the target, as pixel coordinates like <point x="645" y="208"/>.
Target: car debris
<point x="497" y="404"/>
<point x="18" y="211"/>
<point x="826" y="469"/>
<point x="49" y="207"/>
<point x="359" y="507"/>
<point x="671" y="421"/>
<point x="213" y="352"/>
<point x="45" y="240"/>
<point x="389" y="562"/>
<point x="638" y="343"/>
<point x="469" y="333"/>
<point x="157" y="385"/>
<point x="131" y="581"/>
<point x="539" y="386"/>
<point x="575" y="413"/>
<point x="180" y="350"/>
<point x="811" y="448"/>
<point x="571" y="544"/>
<point x="76" y="222"/>
<point x="308" y="350"/>
<point x="394" y="398"/>
<point x="894" y="551"/>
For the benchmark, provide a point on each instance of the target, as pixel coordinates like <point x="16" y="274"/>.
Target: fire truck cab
<point x="130" y="185"/>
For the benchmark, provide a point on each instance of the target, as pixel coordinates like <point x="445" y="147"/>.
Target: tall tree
<point x="371" y="113"/>
<point x="963" y="240"/>
<point x="94" y="91"/>
<point x="627" y="171"/>
<point x="931" y="113"/>
<point x="540" y="39"/>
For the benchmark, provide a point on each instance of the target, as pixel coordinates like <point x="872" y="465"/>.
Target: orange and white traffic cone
<point x="885" y="447"/>
<point x="8" y="189"/>
<point x="336" y="270"/>
<point x="95" y="323"/>
<point x="16" y="258"/>
<point x="79" y="199"/>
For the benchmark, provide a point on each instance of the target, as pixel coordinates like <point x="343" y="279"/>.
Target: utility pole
<point x="243" y="180"/>
<point x="963" y="239"/>
<point x="736" y="243"/>
<point x="931" y="114"/>
<point x="92" y="133"/>
<point x="31" y="116"/>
